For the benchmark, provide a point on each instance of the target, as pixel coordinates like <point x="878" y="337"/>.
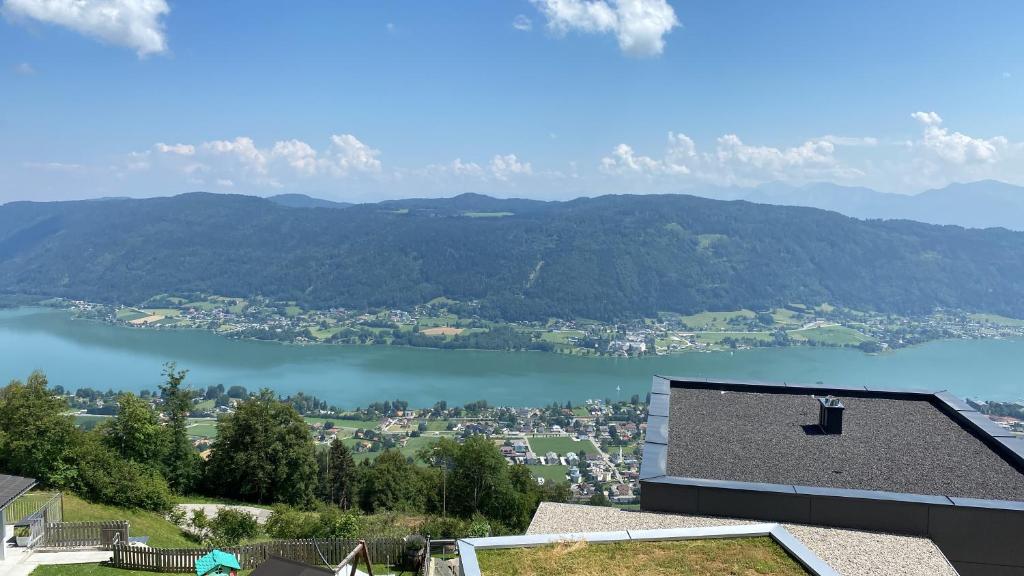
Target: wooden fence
<point x="383" y="551"/>
<point x="85" y="534"/>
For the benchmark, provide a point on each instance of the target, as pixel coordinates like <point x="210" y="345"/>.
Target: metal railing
<point x="28" y="504"/>
<point x="41" y="513"/>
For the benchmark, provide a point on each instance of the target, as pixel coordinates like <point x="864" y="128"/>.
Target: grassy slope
<point x="161" y="532"/>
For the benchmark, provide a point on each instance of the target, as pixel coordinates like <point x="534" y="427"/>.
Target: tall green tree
<point x="181" y="462"/>
<point x="391" y="482"/>
<point x="341" y="475"/>
<point x="135" y="432"/>
<point x="106" y="476"/>
<point x="263" y="452"/>
<point x="37" y="438"/>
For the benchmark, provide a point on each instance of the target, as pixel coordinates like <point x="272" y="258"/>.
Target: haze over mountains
<point x="610" y="257"/>
<point x="982" y="204"/>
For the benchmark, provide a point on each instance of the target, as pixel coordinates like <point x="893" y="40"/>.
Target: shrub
<point x="229" y="527"/>
<point x="287" y="523"/>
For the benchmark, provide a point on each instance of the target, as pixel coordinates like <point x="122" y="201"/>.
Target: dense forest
<point x="606" y="258"/>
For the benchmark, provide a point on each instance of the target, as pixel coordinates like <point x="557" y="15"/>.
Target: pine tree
<point x="181" y="463"/>
<point x="341" y="474"/>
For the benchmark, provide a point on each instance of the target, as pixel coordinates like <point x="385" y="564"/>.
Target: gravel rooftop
<point x="887" y="444"/>
<point x="849" y="552"/>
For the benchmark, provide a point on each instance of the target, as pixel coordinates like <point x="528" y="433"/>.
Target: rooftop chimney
<point x="830" y="415"/>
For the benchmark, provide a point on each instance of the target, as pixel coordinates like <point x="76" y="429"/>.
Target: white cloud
<point x="225" y="183"/>
<point x="298" y="155"/>
<point x="957" y="147"/>
<point x="243" y="150"/>
<point x="179" y="149"/>
<point x="732" y="161"/>
<point x="133" y="23"/>
<point x="927" y="118"/>
<point x="852" y="141"/>
<point x="507" y="166"/>
<point x="348" y="155"/>
<point x="522" y="22"/>
<point x="502" y="167"/>
<point x="639" y="26"/>
<point x="24" y="69"/>
<point x="55" y="166"/>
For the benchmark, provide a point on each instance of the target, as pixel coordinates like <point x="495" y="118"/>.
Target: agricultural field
<point x="830" y="335"/>
<point x="715" y="320"/>
<point x="562" y="336"/>
<point x="997" y="320"/>
<point x="344" y="423"/>
<point x="560" y="445"/>
<point x="130" y="314"/>
<point x="717" y="337"/>
<point x="442" y="331"/>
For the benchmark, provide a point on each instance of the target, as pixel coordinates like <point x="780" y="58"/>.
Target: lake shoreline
<point x="102" y="356"/>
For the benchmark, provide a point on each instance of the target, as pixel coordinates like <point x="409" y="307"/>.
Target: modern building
<point x="864" y="458"/>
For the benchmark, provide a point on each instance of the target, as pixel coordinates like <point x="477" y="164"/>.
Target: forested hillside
<point x="605" y="258"/>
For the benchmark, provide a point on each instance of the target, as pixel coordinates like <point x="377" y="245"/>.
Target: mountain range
<point x="982" y="204"/>
<point x="609" y="257"/>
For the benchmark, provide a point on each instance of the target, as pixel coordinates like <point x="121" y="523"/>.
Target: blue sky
<point x="543" y="98"/>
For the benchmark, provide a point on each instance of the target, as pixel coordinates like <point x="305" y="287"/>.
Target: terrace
<point x="917" y="463"/>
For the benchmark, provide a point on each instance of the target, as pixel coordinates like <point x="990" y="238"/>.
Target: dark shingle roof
<point x="13" y="486"/>
<point x="887" y="444"/>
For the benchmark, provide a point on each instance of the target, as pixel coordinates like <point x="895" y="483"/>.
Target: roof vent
<point x="830" y="415"/>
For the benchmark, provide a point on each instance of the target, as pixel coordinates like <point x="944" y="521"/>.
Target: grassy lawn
<point x="143" y="523"/>
<point x="714" y="320"/>
<point x="581" y="412"/>
<point x="88" y="421"/>
<point x="786" y="316"/>
<point x="562" y="336"/>
<point x="437" y="425"/>
<point x="736" y="556"/>
<point x="97" y="570"/>
<point x="164" y="311"/>
<point x="560" y="446"/>
<point x="414" y="444"/>
<point x="554" y="473"/>
<point x="342" y="423"/>
<point x="202" y="428"/>
<point x="717" y="337"/>
<point x="129" y="314"/>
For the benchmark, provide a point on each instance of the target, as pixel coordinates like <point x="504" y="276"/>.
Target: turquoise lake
<point x="77" y="353"/>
